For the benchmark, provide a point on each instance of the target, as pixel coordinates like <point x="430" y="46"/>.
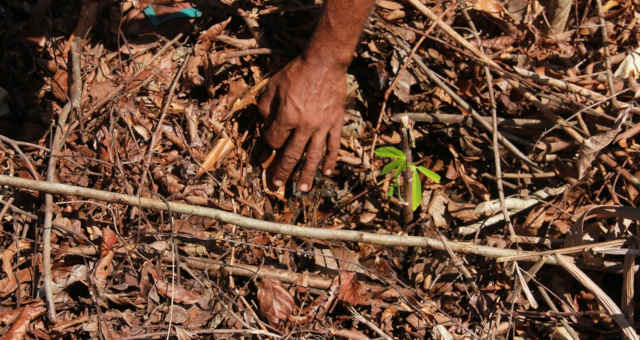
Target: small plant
<point x="397" y="166"/>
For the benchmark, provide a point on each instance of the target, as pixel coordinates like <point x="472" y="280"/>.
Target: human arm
<point x="304" y="102"/>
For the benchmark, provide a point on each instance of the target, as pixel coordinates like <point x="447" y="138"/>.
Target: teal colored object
<point x="187" y="13"/>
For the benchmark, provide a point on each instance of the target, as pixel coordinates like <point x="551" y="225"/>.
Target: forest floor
<point x="525" y="110"/>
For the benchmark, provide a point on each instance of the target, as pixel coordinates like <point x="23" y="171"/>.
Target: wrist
<point x="327" y="57"/>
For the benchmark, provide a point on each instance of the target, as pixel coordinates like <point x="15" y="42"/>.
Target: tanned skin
<point x="304" y="102"/>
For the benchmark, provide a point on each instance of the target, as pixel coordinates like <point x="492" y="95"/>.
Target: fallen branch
<point x="254" y="224"/>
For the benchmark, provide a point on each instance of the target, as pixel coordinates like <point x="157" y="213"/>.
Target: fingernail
<point x="328" y="172"/>
<point x="277" y="183"/>
<point x="304" y="188"/>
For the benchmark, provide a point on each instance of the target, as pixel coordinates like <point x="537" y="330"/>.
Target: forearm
<point x="338" y="31"/>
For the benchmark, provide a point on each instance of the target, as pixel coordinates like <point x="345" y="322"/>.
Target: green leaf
<point x="432" y="175"/>
<point x="397" y="164"/>
<point x="416" y="190"/>
<point x="392" y="188"/>
<point x="389" y="152"/>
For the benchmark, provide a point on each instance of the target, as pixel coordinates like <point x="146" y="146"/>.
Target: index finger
<point x="290" y="156"/>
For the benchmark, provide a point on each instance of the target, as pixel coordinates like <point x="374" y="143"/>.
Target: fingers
<point x="314" y="156"/>
<point x="333" y="145"/>
<point x="290" y="156"/>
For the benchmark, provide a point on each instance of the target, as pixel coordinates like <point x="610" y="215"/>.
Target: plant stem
<point x="407" y="212"/>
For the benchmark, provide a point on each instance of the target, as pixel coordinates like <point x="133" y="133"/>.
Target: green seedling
<point x="399" y="164"/>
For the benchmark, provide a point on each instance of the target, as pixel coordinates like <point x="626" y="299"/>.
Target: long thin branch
<point x="605" y="48"/>
<point x="611" y="307"/>
<point x="494" y="126"/>
<point x="254" y="224"/>
<point x="452" y="33"/>
<point x="58" y="141"/>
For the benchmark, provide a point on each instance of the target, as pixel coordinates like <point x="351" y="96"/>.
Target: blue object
<point x="187" y="13"/>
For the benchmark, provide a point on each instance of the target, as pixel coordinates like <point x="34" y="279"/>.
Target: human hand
<point x="303" y="107"/>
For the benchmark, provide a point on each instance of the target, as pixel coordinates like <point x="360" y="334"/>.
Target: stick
<point x="58" y="141"/>
<point x="605" y="48"/>
<point x="254" y="224"/>
<point x="452" y="33"/>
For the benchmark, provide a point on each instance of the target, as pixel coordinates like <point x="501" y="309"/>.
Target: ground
<point x="538" y="244"/>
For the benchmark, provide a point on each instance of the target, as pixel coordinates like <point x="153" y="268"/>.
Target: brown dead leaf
<point x="276" y="303"/>
<point x="387" y="4"/>
<point x="219" y="151"/>
<point x="171" y="182"/>
<point x="102" y="89"/>
<point x="103" y="269"/>
<point x="60" y="85"/>
<point x="350" y="288"/>
<point x="9" y="284"/>
<point x="27" y="314"/>
<point x="437" y="208"/>
<point x="594" y="144"/>
<point x="177" y="314"/>
<point x="138" y="79"/>
<point x="492" y="7"/>
<point x="180" y="294"/>
<point x="109" y="240"/>
<point x="348" y="260"/>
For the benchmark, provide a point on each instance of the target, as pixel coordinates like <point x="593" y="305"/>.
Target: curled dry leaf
<point x="218" y="152"/>
<point x="9" y="284"/>
<point x="109" y="240"/>
<point x="276" y="303"/>
<point x="594" y="144"/>
<point x="103" y="269"/>
<point x="19" y="328"/>
<point x="180" y="294"/>
<point x="177" y="315"/>
<point x="437" y="207"/>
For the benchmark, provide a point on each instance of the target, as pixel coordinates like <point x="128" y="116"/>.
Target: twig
<point x="452" y="33"/>
<point x="244" y="53"/>
<point x="563" y="85"/>
<point x="26" y="159"/>
<point x="144" y="67"/>
<point x="628" y="285"/>
<point x="433" y="77"/>
<point x="253" y="224"/>
<point x="608" y="304"/>
<point x="56" y="147"/>
<point x="607" y="58"/>
<point x="459" y="263"/>
<point x="452" y="118"/>
<point x="516" y="205"/>
<point x="494" y="122"/>
<point x="369" y="324"/>
<point x="568" y="250"/>
<point x="407" y="211"/>
<point x="205" y="332"/>
<point x="163" y="114"/>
